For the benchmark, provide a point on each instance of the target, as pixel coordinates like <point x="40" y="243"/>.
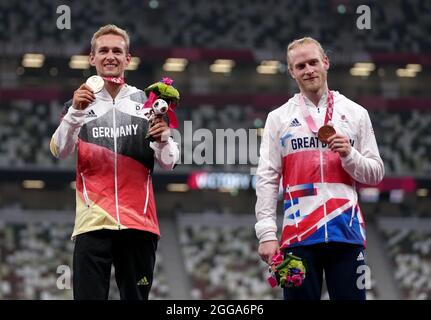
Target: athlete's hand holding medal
<point x="327" y="134"/>
<point x="85" y="94"/>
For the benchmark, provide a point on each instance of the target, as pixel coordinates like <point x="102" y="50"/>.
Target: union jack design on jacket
<point x="319" y="192"/>
<point x="113" y="173"/>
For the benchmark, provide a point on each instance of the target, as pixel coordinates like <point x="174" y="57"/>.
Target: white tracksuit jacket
<point x="319" y="186"/>
<point x="114" y="188"/>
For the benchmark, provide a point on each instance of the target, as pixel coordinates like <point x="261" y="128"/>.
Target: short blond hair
<point x="303" y="41"/>
<point x="110" y="29"/>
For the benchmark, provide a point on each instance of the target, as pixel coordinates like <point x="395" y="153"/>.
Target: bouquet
<point x="162" y="98"/>
<point x="288" y="272"/>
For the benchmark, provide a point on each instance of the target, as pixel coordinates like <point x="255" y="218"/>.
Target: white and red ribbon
<point x="309" y="119"/>
<point x="116" y="80"/>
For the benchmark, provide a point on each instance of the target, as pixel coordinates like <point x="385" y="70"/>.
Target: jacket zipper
<point x="291" y="201"/>
<point x="115" y="168"/>
<point x="294" y="214"/>
<point x="147" y="194"/>
<point x="324" y="204"/>
<point x="353" y="215"/>
<point x="84" y="189"/>
<point x="353" y="208"/>
<point x="323" y="187"/>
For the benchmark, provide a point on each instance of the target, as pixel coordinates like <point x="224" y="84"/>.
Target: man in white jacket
<point x="320" y="144"/>
<point x="116" y="220"/>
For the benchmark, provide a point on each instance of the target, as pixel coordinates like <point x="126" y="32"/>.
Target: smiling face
<point x="110" y="55"/>
<point x="309" y="67"/>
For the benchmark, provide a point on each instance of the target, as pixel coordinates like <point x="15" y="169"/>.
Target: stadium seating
<point x="402" y="137"/>
<point x="223" y="263"/>
<point x="403" y="141"/>
<point x="36" y="259"/>
<point x="410" y="250"/>
<point x="220" y="252"/>
<point x="253" y="24"/>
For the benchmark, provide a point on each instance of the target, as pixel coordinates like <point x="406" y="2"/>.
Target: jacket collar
<point x="322" y="102"/>
<point x="125" y="91"/>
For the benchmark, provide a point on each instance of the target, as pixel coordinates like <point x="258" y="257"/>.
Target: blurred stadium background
<point x="228" y="61"/>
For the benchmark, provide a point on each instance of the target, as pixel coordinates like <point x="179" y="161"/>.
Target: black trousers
<point x="343" y="265"/>
<point x="133" y="253"/>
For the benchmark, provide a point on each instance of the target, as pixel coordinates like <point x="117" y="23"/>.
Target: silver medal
<point x="95" y="83"/>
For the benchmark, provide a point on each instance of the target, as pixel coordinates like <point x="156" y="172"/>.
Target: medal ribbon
<point x="309" y="119"/>
<point x="117" y="80"/>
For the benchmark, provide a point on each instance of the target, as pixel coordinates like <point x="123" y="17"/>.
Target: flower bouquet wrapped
<point x="288" y="272"/>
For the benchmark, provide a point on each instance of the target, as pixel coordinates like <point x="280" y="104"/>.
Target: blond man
<point x="116" y="221"/>
<point x="320" y="144"/>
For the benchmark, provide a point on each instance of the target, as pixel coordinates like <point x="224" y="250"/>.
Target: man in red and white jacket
<point x="322" y="220"/>
<point x="116" y="221"/>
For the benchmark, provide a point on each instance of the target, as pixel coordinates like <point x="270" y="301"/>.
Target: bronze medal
<point x="325" y="132"/>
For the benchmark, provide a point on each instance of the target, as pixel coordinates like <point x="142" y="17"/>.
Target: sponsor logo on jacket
<point x="91" y="114"/>
<point x="310" y="142"/>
